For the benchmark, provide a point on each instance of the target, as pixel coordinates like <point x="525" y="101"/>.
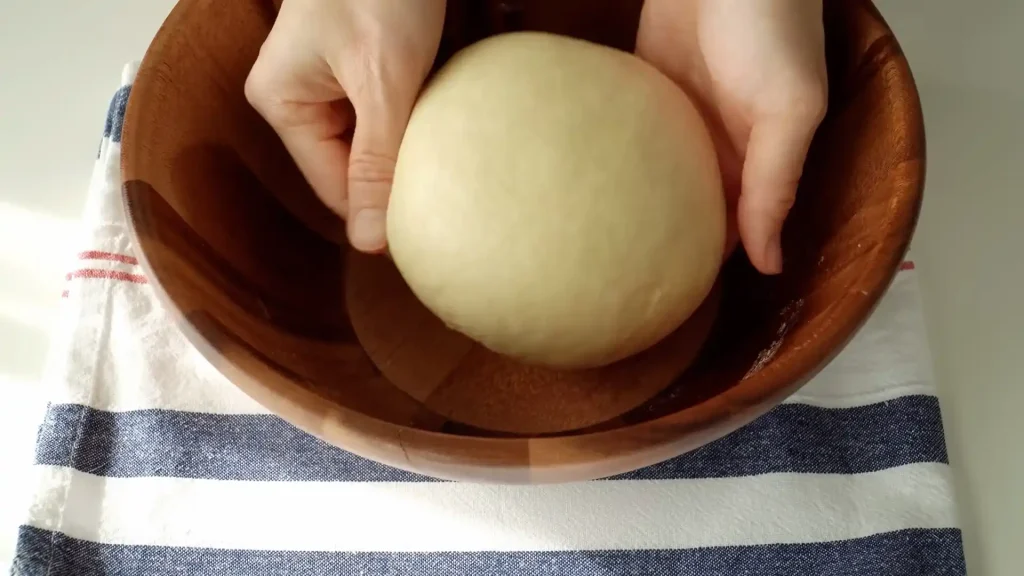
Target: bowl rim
<point x="549" y="457"/>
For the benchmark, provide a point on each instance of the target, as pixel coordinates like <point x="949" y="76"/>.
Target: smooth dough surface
<point x="557" y="201"/>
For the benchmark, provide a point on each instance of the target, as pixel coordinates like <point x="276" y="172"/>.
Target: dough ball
<point x="557" y="201"/>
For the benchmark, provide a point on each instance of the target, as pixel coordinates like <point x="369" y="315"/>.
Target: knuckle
<point x="258" y="88"/>
<point x="252" y="91"/>
<point x="783" y="202"/>
<point x="809" y="100"/>
<point x="371" y="168"/>
<point x="775" y="200"/>
<point x="803" y="100"/>
<point x="778" y="206"/>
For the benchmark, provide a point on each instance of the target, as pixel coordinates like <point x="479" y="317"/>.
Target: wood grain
<point x="463" y="381"/>
<point x="259" y="277"/>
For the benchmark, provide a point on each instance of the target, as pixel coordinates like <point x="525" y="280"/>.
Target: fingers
<point x="319" y="151"/>
<point x="330" y="65"/>
<point x="300" y="99"/>
<point x="382" y="117"/>
<point x="353" y="180"/>
<point x="771" y="172"/>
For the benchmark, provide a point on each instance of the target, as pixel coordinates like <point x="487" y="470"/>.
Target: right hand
<point x="757" y="70"/>
<point x="325" y="59"/>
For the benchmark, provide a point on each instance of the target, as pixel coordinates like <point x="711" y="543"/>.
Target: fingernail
<point x="369" y="230"/>
<point x="773" y="255"/>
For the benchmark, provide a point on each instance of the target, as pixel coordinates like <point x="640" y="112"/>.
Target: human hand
<point x="756" y="68"/>
<point x="329" y="66"/>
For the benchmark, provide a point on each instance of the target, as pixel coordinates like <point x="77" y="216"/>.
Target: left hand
<point x="330" y="66"/>
<point x="756" y="69"/>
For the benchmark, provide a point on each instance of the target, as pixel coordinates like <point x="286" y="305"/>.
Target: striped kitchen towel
<point x="150" y="463"/>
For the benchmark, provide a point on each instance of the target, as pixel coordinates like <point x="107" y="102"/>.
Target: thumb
<point x="774" y="162"/>
<point x="380" y="125"/>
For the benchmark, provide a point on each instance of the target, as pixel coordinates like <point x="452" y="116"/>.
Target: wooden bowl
<point x="261" y="281"/>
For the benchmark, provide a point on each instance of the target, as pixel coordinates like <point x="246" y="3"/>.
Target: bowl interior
<point x="264" y="285"/>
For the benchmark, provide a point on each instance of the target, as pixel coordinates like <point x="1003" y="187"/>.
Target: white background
<point x="60" y="62"/>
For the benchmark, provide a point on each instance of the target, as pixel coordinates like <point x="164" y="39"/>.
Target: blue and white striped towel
<point x="150" y="463"/>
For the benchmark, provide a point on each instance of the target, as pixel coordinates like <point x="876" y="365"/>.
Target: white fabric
<point x="118" y="358"/>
